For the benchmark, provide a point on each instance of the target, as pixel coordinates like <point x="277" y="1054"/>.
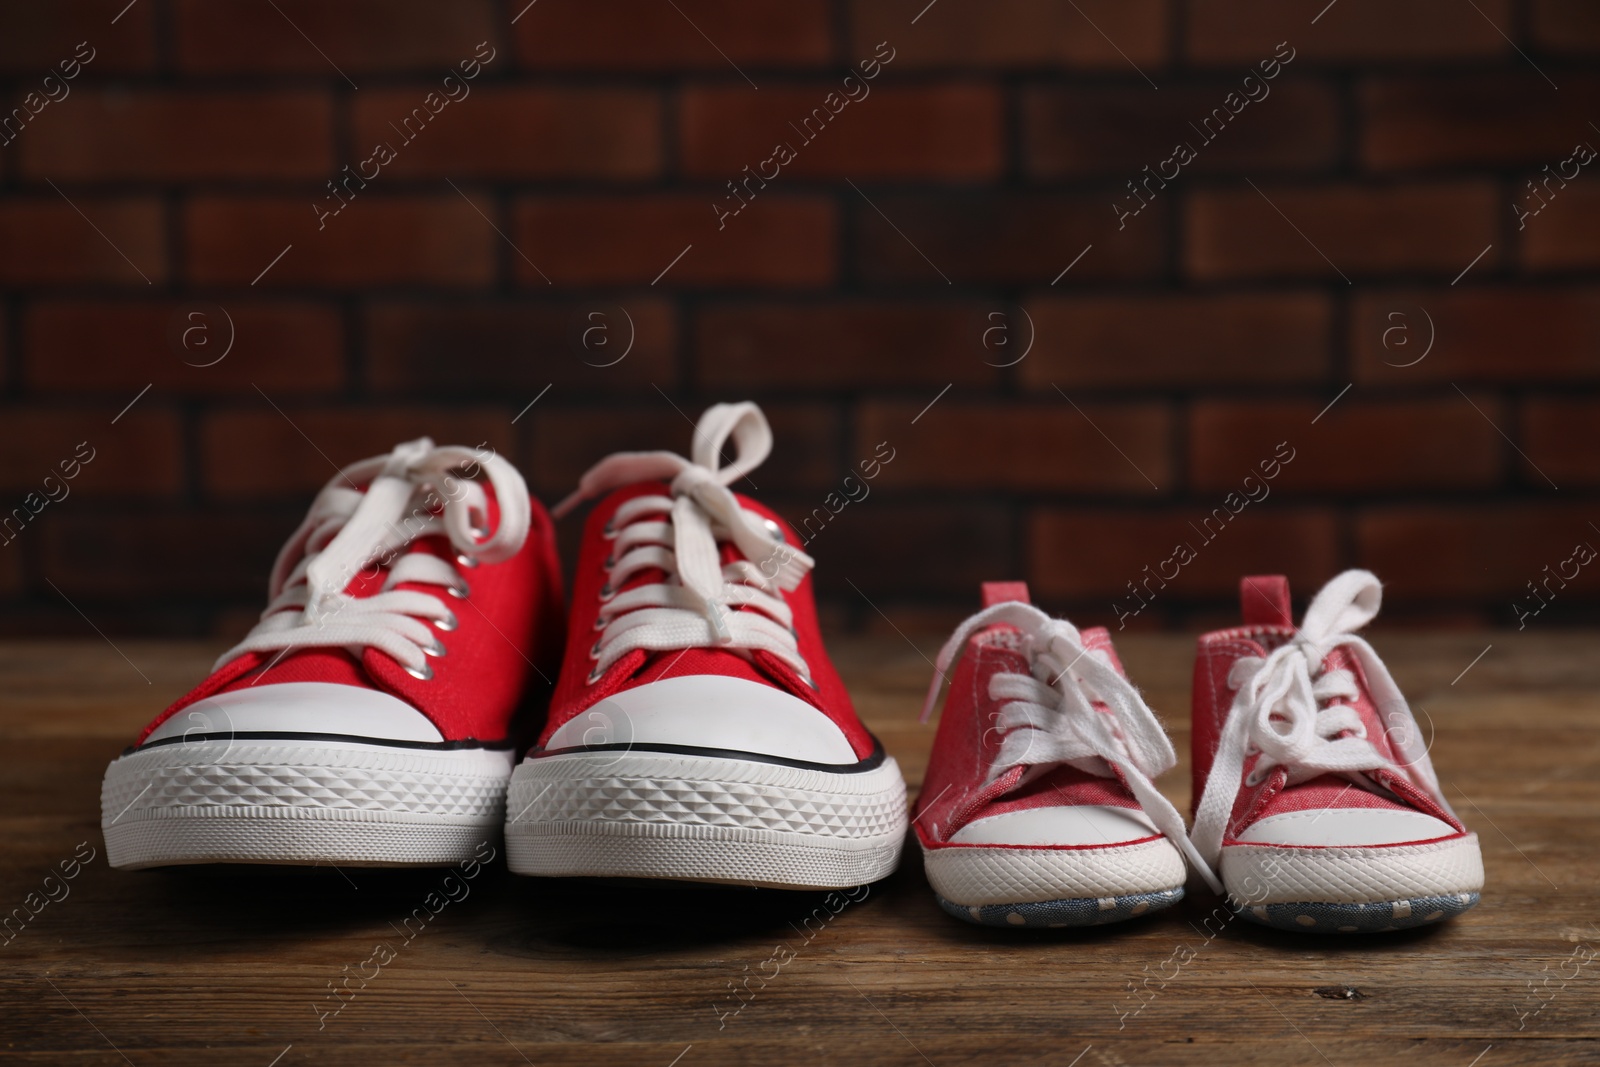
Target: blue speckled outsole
<point x="1083" y="911"/>
<point x="1328" y="918"/>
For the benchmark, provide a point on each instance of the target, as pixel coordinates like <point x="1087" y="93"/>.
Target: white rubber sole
<point x="1275" y="874"/>
<point x="704" y="818"/>
<point x="301" y="802"/>
<point x="976" y="876"/>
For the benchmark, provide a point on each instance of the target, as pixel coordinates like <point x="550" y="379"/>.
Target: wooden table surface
<point x="235" y="967"/>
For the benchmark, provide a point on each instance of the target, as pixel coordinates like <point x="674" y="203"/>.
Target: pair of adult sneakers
<point x="696" y="729"/>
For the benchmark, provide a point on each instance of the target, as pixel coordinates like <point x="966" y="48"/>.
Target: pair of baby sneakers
<point x="682" y="720"/>
<point x="1316" y="808"/>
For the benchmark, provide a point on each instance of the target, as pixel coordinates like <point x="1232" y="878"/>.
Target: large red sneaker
<point x="371" y="718"/>
<point x="698" y="730"/>
<point x="1038" y="807"/>
<point x="1317" y="798"/>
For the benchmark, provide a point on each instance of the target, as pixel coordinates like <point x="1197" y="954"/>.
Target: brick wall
<point x="992" y="254"/>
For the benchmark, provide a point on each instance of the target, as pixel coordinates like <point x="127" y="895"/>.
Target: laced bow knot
<point x="701" y="511"/>
<point x="1291" y="711"/>
<point x="1072" y="707"/>
<point x="412" y="492"/>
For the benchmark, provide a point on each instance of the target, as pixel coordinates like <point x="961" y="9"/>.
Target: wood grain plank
<point x="235" y="966"/>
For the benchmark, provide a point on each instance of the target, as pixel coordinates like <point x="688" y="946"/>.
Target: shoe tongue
<point x="1342" y="659"/>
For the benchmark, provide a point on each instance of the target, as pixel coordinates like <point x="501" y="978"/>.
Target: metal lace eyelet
<point x="610" y="528"/>
<point x="594" y="652"/>
<point x="611" y="561"/>
<point x="601" y="622"/>
<point x="423" y="675"/>
<point x="606" y="592"/>
<point x="464" y="560"/>
<point x="595" y="675"/>
<point x="446" y="624"/>
<point x="460" y="590"/>
<point x="774" y="529"/>
<point x="1254" y="778"/>
<point x="437" y="649"/>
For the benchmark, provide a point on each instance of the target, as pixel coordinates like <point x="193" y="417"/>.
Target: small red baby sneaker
<point x="1317" y="798"/>
<point x="372" y="716"/>
<point x="698" y="730"/>
<point x="1038" y="807"/>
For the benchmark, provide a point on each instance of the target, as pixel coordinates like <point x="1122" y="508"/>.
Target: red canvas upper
<point x="1264" y="603"/>
<point x="954" y="793"/>
<point x="508" y="634"/>
<point x="575" y="693"/>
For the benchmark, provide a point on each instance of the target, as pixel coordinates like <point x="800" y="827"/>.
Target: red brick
<point x="778" y="241"/>
<point x="501" y="132"/>
<point x="1558" y="435"/>
<point x="1565" y="232"/>
<point x="881" y="344"/>
<point x="374" y="240"/>
<point x="1245" y="31"/>
<point x="1474" y="120"/>
<point x="308" y="446"/>
<point x="39" y="37"/>
<point x="164" y="135"/>
<point x="1023" y="238"/>
<point x="492" y="348"/>
<point x="646" y="35"/>
<point x="565" y="442"/>
<point x="1077" y="554"/>
<point x="1356" y="446"/>
<point x="923" y="132"/>
<point x="1500" y="335"/>
<point x="160" y="556"/>
<point x="141" y="455"/>
<point x="357" y="36"/>
<point x="285" y="348"/>
<point x="1176" y="341"/>
<point x="1478" y="552"/>
<point x="1120" y="449"/>
<point x="876" y="548"/>
<point x="1101" y="35"/>
<point x="1568" y="26"/>
<point x="1119" y="131"/>
<point x="1435" y="228"/>
<point x="63" y="247"/>
<point x="11" y="582"/>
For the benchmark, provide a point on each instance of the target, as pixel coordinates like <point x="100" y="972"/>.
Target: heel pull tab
<point x="1003" y="592"/>
<point x="1264" y="601"/>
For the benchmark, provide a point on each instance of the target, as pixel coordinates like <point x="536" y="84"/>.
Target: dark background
<point x="919" y="241"/>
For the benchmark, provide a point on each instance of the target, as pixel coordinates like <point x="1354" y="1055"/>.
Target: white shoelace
<point x="1049" y="716"/>
<point x="415" y="491"/>
<point x="697" y="605"/>
<point x="1294" y="713"/>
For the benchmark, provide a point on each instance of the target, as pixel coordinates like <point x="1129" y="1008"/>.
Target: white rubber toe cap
<point x="302" y="708"/>
<point x="710" y="711"/>
<point x="1333" y="827"/>
<point x="1068" y="824"/>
